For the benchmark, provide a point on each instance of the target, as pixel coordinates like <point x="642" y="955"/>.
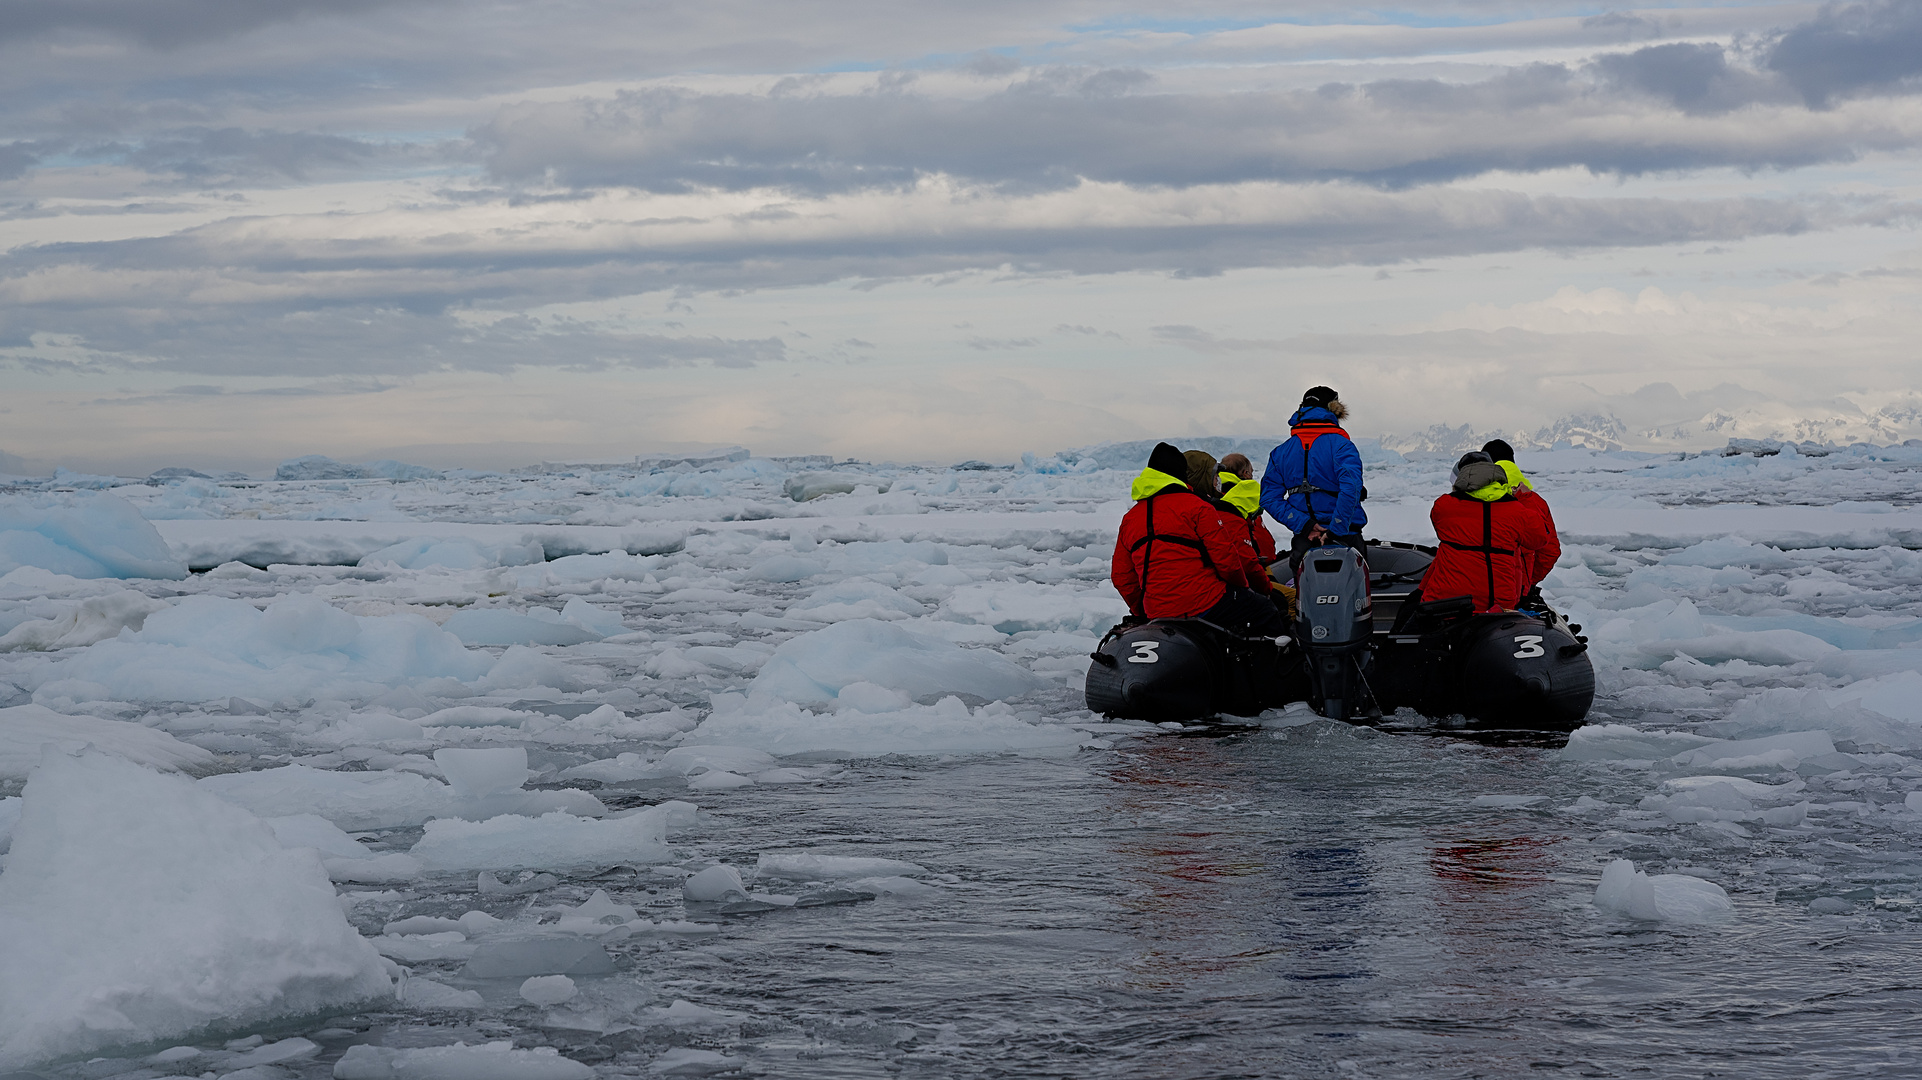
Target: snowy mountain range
<point x="1894" y="423"/>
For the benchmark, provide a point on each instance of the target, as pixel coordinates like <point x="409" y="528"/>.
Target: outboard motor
<point x="1336" y="619"/>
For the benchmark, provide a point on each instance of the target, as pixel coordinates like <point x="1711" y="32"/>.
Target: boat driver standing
<point x="1313" y="481"/>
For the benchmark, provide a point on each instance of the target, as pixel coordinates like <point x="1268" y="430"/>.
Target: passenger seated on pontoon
<point x="1543" y="559"/>
<point x="1180" y="556"/>
<point x="1489" y="539"/>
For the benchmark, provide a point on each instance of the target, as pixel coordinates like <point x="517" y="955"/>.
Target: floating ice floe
<point x="85" y="621"/>
<point x="27" y="730"/>
<point x="455" y="553"/>
<point x="135" y="908"/>
<point x="1625" y="890"/>
<point x="810" y="866"/>
<point x="207" y="648"/>
<point x="83" y="535"/>
<point x="815" y="667"/>
<point x="489" y="1061"/>
<point x="484" y="783"/>
<point x="554" y="840"/>
<point x="576" y="622"/>
<point x="948" y="726"/>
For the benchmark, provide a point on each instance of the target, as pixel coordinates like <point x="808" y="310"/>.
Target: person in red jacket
<point x="1178" y="556"/>
<point x="1240" y="490"/>
<point x="1543" y="559"/>
<point x="1488" y="539"/>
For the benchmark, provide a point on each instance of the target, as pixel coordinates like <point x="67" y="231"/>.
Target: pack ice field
<point x="741" y="766"/>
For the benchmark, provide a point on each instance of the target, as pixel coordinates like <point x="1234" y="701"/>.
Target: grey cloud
<point x="16" y="158"/>
<point x="1355" y="226"/>
<point x="223" y="155"/>
<point x="368" y="340"/>
<point x="1852" y="48"/>
<point x="1201" y="341"/>
<point x="1695" y="78"/>
<point x="1054" y="130"/>
<point x="332" y="308"/>
<point x="162" y="23"/>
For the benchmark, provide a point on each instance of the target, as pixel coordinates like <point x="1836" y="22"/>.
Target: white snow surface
<point x="391" y="674"/>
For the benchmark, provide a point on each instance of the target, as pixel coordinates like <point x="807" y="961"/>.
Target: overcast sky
<point x="234" y="231"/>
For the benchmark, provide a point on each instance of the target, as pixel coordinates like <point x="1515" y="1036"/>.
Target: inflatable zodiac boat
<point x="1364" y="646"/>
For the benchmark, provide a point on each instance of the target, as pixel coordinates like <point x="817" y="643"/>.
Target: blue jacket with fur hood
<point x="1320" y="453"/>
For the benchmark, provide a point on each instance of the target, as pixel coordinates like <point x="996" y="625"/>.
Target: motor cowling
<point x="1335" y="610"/>
<point x="1334" y="622"/>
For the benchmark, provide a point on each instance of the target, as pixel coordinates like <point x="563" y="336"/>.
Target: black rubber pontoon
<point x="1365" y="645"/>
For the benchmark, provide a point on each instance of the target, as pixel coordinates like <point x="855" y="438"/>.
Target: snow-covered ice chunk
<point x="351" y="800"/>
<point x="491" y="1061"/>
<point x="854" y="600"/>
<point x="813" y="667"/>
<point x="475" y="716"/>
<point x="83" y="535"/>
<point x="686" y="1014"/>
<point x="1507" y="802"/>
<point x="551" y="841"/>
<point x="718" y="780"/>
<point x="537" y="626"/>
<point x="136" y="908"/>
<point x="946" y="727"/>
<point x="95" y="618"/>
<point x="594" y="915"/>
<point x="26" y="729"/>
<point x="1620" y="742"/>
<point x="688" y="760"/>
<point x="1667" y="897"/>
<point x="892" y="886"/>
<point x="1748" y="789"/>
<point x="1012" y="607"/>
<point x="273" y="1053"/>
<point x="716" y="883"/>
<point x="545" y="990"/>
<point x="489" y="771"/>
<point x="456" y="553"/>
<point x="687" y="1061"/>
<point x="538" y="956"/>
<point x="208" y="648"/>
<point x="420" y="993"/>
<point x="9" y="817"/>
<point x="784" y="568"/>
<point x="807" y="487"/>
<point x="808" y="866"/>
<point x="1728" y="551"/>
<point x="314" y="831"/>
<point x="1771" y="753"/>
<point x="1771" y="647"/>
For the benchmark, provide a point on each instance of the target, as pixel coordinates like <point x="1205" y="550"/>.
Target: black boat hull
<point x="1510" y="670"/>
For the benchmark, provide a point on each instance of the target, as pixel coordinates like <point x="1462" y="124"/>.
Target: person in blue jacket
<point x="1313" y="481"/>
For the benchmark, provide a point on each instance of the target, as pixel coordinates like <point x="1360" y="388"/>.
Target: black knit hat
<point x="1499" y="450"/>
<point x="1169" y="460"/>
<point x="1318" y="397"/>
